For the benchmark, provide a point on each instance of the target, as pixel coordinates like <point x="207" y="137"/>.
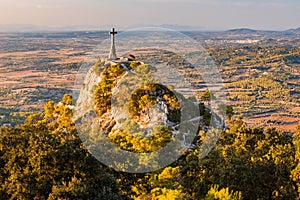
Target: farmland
<point x="260" y="71"/>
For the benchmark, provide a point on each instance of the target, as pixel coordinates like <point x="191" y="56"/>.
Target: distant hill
<point x="243" y="30"/>
<point x="246" y="33"/>
<point x="296" y="30"/>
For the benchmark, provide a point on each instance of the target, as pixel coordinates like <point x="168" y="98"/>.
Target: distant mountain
<point x="296" y="30"/>
<point x="243" y="31"/>
<point x="259" y="32"/>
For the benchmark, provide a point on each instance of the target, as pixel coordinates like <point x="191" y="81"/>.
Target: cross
<point x="113" y="32"/>
<point x="113" y="54"/>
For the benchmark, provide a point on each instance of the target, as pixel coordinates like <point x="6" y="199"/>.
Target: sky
<point x="208" y="14"/>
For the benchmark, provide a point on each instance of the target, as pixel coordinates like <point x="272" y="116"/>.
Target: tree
<point x="45" y="158"/>
<point x="163" y="185"/>
<point x="222" y="194"/>
<point x="207" y="96"/>
<point x="256" y="162"/>
<point x="296" y="170"/>
<point x="226" y="110"/>
<point x="297" y="132"/>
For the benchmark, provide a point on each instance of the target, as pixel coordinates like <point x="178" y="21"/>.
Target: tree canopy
<point x="45" y="159"/>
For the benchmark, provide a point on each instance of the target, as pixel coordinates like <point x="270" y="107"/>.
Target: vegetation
<point x="39" y="74"/>
<point x="45" y="159"/>
<point x="223" y="194"/>
<point x="207" y="96"/>
<point x="103" y="92"/>
<point x="129" y="140"/>
<point x="146" y="97"/>
<point x="141" y="103"/>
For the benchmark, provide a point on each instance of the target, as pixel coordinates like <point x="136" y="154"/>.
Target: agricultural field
<point x="260" y="70"/>
<point x="262" y="80"/>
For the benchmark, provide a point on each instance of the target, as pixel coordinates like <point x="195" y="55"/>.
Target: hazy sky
<point x="212" y="14"/>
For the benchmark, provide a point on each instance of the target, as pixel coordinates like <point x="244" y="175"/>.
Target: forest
<point x="44" y="158"/>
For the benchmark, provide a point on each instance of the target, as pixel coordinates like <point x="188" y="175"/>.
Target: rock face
<point x="122" y="98"/>
<point x="85" y="101"/>
<point x="114" y="76"/>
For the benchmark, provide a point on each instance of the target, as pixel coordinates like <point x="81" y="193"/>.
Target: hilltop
<point x="129" y="104"/>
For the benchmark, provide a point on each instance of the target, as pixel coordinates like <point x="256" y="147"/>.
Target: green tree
<point x="207" y="96"/>
<point x="45" y="159"/>
<point x="296" y="170"/>
<point x="222" y="194"/>
<point x="162" y="185"/>
<point x="226" y="110"/>
<point x="256" y="162"/>
<point x="297" y="132"/>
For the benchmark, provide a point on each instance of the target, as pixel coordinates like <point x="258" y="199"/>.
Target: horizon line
<point x="29" y="28"/>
